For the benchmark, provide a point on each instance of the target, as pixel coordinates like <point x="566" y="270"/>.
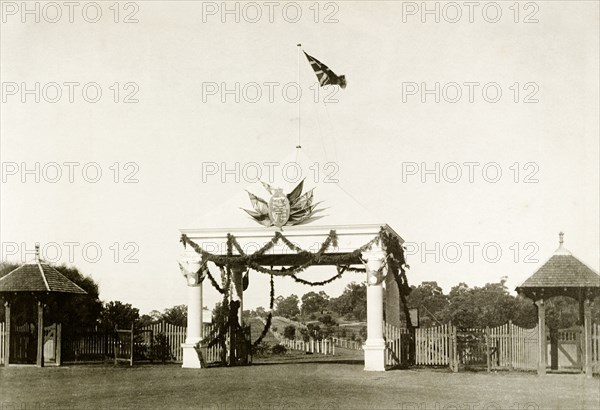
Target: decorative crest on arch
<point x="294" y="208"/>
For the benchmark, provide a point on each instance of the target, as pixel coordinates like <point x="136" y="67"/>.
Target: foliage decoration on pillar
<point x="397" y="266"/>
<point x="269" y="317"/>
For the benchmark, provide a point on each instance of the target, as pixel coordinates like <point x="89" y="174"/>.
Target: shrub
<point x="328" y="320"/>
<point x="162" y="350"/>
<point x="363" y="332"/>
<point x="289" y="332"/>
<point x="279" y="349"/>
<point x="261" y="350"/>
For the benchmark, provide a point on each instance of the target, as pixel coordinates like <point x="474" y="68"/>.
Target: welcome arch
<point x="374" y="249"/>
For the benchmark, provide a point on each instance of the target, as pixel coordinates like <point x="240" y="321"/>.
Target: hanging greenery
<point x="212" y="279"/>
<point x="340" y="270"/>
<point x="395" y="263"/>
<point x="312" y="258"/>
<point x="269" y="317"/>
<point x="397" y="266"/>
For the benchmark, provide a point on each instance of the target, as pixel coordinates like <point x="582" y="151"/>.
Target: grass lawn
<point x="306" y="385"/>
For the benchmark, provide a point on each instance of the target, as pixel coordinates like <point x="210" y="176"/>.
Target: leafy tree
<point x="524" y="312"/>
<point x="314" y="331"/>
<point x="148" y="319"/>
<point x="120" y="315"/>
<point x="352" y="302"/>
<point x="155" y="315"/>
<point x="287" y="307"/>
<point x="429" y="298"/>
<point x="328" y="320"/>
<point x="313" y="302"/>
<point x="330" y="326"/>
<point x="261" y="312"/>
<point x="177" y="315"/>
<point x="490" y="305"/>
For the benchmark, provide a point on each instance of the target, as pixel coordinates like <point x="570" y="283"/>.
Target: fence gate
<point x="52" y="344"/>
<point x="471" y="347"/>
<point x="566" y="348"/>
<point x="397" y="345"/>
<point x="513" y="347"/>
<point x="435" y="346"/>
<point x="124" y="345"/>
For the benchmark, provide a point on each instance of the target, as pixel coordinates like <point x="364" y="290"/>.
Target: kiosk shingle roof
<point x="564" y="271"/>
<point x="37" y="276"/>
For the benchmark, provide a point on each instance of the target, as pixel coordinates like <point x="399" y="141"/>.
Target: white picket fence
<point x="325" y="346"/>
<point x="346" y="343"/>
<point x="396" y="344"/>
<point x="512" y="347"/>
<point x="176" y="335"/>
<point x="435" y="346"/>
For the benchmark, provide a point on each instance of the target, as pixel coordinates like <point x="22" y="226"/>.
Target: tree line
<point x="470" y="307"/>
<point x="489" y="305"/>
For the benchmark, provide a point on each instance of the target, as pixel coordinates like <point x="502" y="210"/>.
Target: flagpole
<point x="299" y="96"/>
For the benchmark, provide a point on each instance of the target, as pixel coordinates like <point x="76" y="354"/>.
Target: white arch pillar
<point x="190" y="268"/>
<point x="374" y="346"/>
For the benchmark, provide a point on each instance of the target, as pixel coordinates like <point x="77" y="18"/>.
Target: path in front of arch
<point x="288" y="386"/>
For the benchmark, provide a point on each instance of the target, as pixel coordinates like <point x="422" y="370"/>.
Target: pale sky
<point x="379" y="137"/>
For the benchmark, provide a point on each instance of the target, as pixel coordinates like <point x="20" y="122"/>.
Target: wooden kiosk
<point x="25" y="291"/>
<point x="563" y="275"/>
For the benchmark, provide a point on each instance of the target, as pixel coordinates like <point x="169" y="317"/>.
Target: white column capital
<point x="374" y="260"/>
<point x="190" y="268"/>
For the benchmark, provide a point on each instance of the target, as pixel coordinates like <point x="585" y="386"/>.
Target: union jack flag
<point x="324" y="74"/>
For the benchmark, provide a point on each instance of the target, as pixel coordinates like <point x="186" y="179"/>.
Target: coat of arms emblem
<point x="294" y="208"/>
<point x="279" y="208"/>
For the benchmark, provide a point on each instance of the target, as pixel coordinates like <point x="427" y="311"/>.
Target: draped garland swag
<point x="395" y="262"/>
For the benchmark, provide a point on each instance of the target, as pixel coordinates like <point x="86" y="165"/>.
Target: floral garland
<point x="340" y="269"/>
<point x="245" y="259"/>
<point x="219" y="334"/>
<point x="250" y="260"/>
<point x="269" y="317"/>
<point x="212" y="279"/>
<point x="395" y="262"/>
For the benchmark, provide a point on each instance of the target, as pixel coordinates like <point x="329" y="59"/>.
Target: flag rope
<point x="299" y="96"/>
